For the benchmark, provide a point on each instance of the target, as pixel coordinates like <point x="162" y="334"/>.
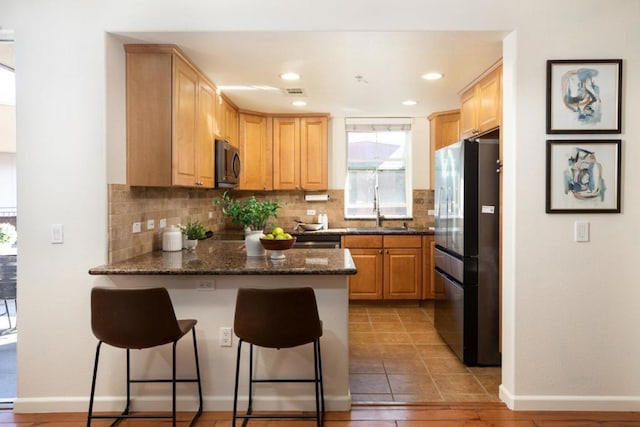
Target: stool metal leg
<point x="235" y="390"/>
<point x="250" y="406"/>
<point x="195" y="352"/>
<point x="321" y="382"/>
<point x="93" y="383"/>
<point x="173" y="384"/>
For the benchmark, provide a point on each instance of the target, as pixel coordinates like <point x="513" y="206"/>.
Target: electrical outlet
<point x="205" y="285"/>
<point x="311" y="211"/>
<point x="137" y="227"/>
<point x="210" y="215"/>
<point x="151" y="224"/>
<point x="225" y="336"/>
<point x="163" y="222"/>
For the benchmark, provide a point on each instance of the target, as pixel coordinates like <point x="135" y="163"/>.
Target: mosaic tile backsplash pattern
<point x="180" y="205"/>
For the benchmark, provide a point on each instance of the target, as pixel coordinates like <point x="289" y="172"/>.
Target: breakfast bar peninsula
<point x="203" y="285"/>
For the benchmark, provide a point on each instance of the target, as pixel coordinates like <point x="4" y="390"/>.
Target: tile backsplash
<point x="180" y="205"/>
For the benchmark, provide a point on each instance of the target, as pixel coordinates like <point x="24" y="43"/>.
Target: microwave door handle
<point x="235" y="165"/>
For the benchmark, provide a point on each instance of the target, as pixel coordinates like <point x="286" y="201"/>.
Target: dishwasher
<point x="317" y="241"/>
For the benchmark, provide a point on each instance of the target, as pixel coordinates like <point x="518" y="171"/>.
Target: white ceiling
<point x="390" y="64"/>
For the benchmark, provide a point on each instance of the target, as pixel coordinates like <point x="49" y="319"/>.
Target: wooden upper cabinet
<point x="286" y="153"/>
<point x="226" y="121"/>
<point x="314" y="151"/>
<point x="169" y="119"/>
<point x="444" y="129"/>
<point x="300" y="153"/>
<point x="231" y="124"/>
<point x="205" y="134"/>
<point x="481" y="104"/>
<point x="255" y="153"/>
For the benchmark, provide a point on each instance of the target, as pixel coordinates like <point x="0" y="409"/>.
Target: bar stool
<point x="139" y="319"/>
<point x="278" y="318"/>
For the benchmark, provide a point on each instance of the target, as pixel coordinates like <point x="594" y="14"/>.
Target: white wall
<point x="570" y="310"/>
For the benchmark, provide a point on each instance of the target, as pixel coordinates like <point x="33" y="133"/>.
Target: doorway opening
<point x="8" y="224"/>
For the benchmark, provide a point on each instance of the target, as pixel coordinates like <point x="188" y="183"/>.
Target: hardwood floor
<point x="434" y="414"/>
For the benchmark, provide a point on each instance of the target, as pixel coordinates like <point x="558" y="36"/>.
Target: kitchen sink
<point x="379" y="229"/>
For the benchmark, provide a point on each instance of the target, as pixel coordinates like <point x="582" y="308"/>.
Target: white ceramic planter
<point x="253" y="245"/>
<point x="191" y="244"/>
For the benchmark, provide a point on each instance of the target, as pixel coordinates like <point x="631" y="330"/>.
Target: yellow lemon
<point x="277" y="231"/>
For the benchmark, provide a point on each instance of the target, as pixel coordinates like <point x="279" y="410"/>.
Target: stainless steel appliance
<point x="317" y="241"/>
<point x="227" y="165"/>
<point x="467" y="248"/>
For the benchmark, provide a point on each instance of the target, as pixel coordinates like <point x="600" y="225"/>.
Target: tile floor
<point x="396" y="356"/>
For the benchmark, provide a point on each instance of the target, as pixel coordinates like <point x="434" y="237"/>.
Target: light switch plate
<point x="581" y="231"/>
<point x="57" y="233"/>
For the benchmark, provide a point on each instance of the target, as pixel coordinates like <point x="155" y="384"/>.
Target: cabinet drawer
<point x="402" y="242"/>
<point x="369" y="241"/>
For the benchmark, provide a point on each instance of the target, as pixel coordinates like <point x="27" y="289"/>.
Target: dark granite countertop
<point x="218" y="257"/>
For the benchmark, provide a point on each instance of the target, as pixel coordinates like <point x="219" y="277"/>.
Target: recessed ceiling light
<point x="432" y="76"/>
<point x="299" y="103"/>
<point x="409" y="102"/>
<point x="290" y="76"/>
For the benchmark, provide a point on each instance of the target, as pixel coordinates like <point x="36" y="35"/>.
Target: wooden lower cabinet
<point x="367" y="284"/>
<point x="389" y="267"/>
<point x="431" y="289"/>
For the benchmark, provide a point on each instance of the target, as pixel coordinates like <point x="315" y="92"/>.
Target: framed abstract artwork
<point x="583" y="176"/>
<point x="584" y="96"/>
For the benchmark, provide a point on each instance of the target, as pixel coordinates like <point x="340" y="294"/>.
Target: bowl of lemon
<point x="277" y="241"/>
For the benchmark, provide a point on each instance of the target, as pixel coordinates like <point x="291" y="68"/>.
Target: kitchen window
<point x="378" y="153"/>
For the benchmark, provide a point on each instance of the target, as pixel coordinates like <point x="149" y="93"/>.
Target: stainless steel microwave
<point x="227" y="165"/>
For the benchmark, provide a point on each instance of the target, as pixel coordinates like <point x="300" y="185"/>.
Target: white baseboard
<point x="569" y="403"/>
<point x="185" y="404"/>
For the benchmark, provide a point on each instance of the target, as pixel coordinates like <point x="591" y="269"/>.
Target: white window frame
<point x="372" y="125"/>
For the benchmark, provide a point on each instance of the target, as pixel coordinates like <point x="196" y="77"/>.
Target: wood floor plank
<point x="437" y="415"/>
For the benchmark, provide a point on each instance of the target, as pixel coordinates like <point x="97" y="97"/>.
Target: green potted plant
<point x="8" y="234"/>
<point x="193" y="231"/>
<point x="252" y="215"/>
<point x="249" y="212"/>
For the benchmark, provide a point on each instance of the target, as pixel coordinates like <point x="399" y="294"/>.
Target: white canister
<point x="172" y="239"/>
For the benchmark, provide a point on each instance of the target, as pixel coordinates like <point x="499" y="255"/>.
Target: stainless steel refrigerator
<point x="467" y="248"/>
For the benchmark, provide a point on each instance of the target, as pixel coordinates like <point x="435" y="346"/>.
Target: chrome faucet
<point x="376" y="205"/>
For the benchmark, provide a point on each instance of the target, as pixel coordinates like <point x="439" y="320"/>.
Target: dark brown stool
<point x="278" y="318"/>
<point x="138" y="319"/>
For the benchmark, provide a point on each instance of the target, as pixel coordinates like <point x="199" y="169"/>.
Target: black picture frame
<point x="584" y="96"/>
<point x="583" y="176"/>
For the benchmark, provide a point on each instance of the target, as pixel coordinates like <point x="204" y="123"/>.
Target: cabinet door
<point x="444" y="129"/>
<point x="231" y="125"/>
<point x="206" y="136"/>
<point x="367" y="284"/>
<point x="402" y="274"/>
<point x="313" y="153"/>
<point x="468" y="111"/>
<point x="255" y="153"/>
<point x="488" y="104"/>
<point x="220" y="122"/>
<point x="286" y="153"/>
<point x="149" y="115"/>
<point x="185" y="88"/>
<point x="428" y="246"/>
